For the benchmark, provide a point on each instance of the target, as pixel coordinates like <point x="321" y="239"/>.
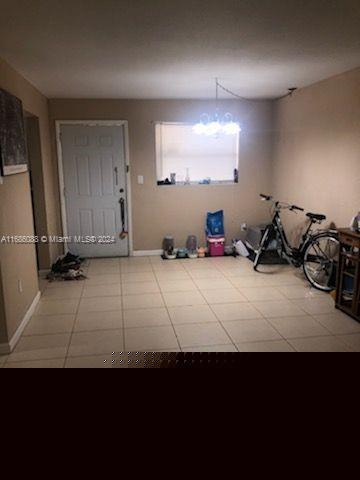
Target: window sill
<point x="196" y="184"/>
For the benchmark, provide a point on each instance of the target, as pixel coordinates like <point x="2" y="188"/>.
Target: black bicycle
<point x="317" y="253"/>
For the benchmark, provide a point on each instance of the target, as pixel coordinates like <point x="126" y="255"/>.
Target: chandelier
<point x="217" y="124"/>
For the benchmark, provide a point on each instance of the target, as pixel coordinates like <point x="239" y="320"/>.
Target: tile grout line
<point x="264" y="318"/>
<point x="99" y="330"/>
<point x="24" y="336"/>
<point x="36" y="360"/>
<point x="122" y="307"/>
<point x="73" y="327"/>
<point x="218" y="321"/>
<point x="293" y="301"/>
<point x="276" y="330"/>
<point x="313" y="315"/>
<point x="129" y="328"/>
<point x="305" y="313"/>
<point x="221" y="323"/>
<point x="166" y="307"/>
<point x="6" y="360"/>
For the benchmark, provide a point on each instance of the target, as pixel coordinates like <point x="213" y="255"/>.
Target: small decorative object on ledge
<point x="164" y="182"/>
<point x="206" y="181"/>
<point x="13" y="154"/>
<point x="236" y="175"/>
<point x="187" y="177"/>
<point x="348" y="281"/>
<point x="355" y="223"/>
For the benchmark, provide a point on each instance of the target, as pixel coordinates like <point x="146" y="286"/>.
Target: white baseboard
<point x="147" y="253"/>
<point x="44" y="272"/>
<point x="6" y="348"/>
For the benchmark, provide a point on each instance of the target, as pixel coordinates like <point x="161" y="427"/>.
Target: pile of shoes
<point x="67" y="267"/>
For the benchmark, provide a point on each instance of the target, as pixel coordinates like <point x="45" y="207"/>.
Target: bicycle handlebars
<point x="268" y="198"/>
<point x="265" y="197"/>
<point x="294" y="207"/>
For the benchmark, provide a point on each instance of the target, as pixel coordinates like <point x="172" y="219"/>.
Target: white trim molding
<point x="44" y="273"/>
<point x="147" y="253"/>
<point x="13" y="169"/>
<point x="6" y="348"/>
<point x="109" y="123"/>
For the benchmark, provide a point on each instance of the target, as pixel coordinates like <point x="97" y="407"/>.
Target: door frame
<point x="94" y="123"/>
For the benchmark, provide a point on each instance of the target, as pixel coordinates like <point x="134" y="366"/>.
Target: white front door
<point x="94" y="166"/>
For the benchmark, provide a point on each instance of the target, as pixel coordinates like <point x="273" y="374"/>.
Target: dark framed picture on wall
<point x="13" y="152"/>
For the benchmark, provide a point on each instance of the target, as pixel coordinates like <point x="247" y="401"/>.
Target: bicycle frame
<point x="292" y="254"/>
<point x="289" y="249"/>
<point x="317" y="259"/>
<point x="284" y="248"/>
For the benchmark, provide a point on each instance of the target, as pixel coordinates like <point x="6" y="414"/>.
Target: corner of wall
<point x="274" y="140"/>
<point x="19" y="261"/>
<point x="316" y="148"/>
<point x="3" y="327"/>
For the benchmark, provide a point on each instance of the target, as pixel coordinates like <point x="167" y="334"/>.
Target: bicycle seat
<point x="316" y="216"/>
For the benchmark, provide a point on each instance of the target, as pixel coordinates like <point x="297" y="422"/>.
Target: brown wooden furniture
<point x="348" y="279"/>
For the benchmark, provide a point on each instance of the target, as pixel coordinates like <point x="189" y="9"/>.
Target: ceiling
<point x="175" y="48"/>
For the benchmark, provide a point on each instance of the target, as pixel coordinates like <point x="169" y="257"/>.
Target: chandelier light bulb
<point x="199" y="128"/>
<point x="213" y="128"/>
<point x="231" y="128"/>
<point x="215" y="125"/>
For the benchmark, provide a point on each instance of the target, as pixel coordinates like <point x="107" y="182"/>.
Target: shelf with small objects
<point x="348" y="280"/>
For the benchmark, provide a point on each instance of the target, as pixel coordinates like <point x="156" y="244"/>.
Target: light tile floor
<point x="147" y="304"/>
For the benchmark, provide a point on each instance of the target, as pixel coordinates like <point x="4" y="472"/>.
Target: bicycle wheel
<point x="320" y="261"/>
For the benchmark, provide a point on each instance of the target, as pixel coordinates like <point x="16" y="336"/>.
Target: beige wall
<point x="37" y="180"/>
<point x="18" y="262"/>
<point x="3" y="328"/>
<point x="181" y="211"/>
<point x="317" y="149"/>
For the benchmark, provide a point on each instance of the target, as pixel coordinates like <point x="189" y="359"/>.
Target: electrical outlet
<point x="140" y="179"/>
<point x="244" y="227"/>
<point x="20" y="286"/>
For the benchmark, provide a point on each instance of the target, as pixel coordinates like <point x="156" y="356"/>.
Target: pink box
<point x="216" y="246"/>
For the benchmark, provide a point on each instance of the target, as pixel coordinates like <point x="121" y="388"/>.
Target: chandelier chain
<point x="219" y="85"/>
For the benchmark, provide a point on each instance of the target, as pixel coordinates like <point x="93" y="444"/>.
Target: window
<point x="181" y="151"/>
